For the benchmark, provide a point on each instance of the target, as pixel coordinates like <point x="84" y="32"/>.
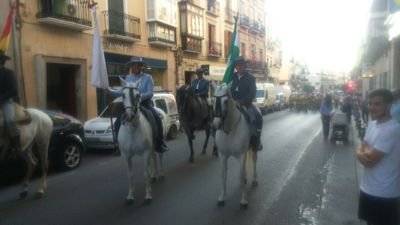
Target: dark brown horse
<point x="191" y="118"/>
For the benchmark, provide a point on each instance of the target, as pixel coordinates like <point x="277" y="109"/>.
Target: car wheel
<point x="70" y="157"/>
<point x="172" y="133"/>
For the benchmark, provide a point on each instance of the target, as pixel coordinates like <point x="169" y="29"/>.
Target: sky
<point x="325" y="34"/>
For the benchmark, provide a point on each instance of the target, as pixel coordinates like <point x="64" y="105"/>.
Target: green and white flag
<point x="234" y="53"/>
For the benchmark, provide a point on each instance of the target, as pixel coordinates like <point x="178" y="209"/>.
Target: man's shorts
<point x="379" y="211"/>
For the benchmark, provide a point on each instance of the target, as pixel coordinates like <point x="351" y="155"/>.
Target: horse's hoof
<point x="221" y="203"/>
<point x="129" y="201"/>
<point x="255" y="183"/>
<point x="153" y="180"/>
<point x="148" y="201"/>
<point x="243" y="205"/>
<point x="39" y="195"/>
<point x="23" y="194"/>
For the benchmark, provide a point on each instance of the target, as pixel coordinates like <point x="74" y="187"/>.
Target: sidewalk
<point x="340" y="201"/>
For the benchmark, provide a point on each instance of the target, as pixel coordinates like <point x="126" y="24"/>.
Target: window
<point x="160" y="103"/>
<point x="157" y="30"/>
<point x="191" y="19"/>
<point x="162" y="10"/>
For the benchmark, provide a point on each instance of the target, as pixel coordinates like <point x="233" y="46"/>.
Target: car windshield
<point x="260" y="94"/>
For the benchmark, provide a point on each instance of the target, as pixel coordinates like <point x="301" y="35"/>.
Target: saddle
<point x="149" y="116"/>
<point x="21" y="115"/>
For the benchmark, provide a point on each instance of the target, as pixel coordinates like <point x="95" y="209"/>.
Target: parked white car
<point x="98" y="131"/>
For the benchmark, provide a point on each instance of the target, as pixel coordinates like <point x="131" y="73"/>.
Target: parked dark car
<point x="67" y="141"/>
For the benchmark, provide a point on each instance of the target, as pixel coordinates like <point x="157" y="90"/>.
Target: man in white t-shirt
<point x="379" y="154"/>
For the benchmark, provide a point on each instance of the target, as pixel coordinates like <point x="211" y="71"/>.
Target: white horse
<point x="135" y="137"/>
<point x="232" y="139"/>
<point x="35" y="133"/>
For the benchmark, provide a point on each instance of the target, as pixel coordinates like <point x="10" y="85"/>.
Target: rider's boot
<point x="257" y="145"/>
<point x="163" y="146"/>
<point x="16" y="143"/>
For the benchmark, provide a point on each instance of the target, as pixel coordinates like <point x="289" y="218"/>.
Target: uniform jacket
<point x="244" y="90"/>
<point x="8" y="85"/>
<point x="203" y="87"/>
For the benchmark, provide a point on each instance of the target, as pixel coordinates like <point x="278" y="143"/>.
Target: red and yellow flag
<point x="5" y="36"/>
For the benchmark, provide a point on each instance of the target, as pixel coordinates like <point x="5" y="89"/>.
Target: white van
<point x="283" y="93"/>
<point x="265" y="97"/>
<point x="166" y="102"/>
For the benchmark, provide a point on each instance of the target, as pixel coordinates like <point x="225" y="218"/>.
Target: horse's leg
<point x="243" y="180"/>
<point x="31" y="163"/>
<point x="153" y="166"/>
<point x="206" y="142"/>
<point x="43" y="153"/>
<point x="130" y="198"/>
<point x="255" y="178"/>
<point x="148" y="157"/>
<point x="223" y="164"/>
<point x="162" y="172"/>
<point x="189" y="136"/>
<point x="215" y="149"/>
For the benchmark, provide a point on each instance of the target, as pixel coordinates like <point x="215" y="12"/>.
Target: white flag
<point x="99" y="69"/>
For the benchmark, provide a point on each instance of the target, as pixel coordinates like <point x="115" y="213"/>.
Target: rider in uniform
<point x="146" y="87"/>
<point x="9" y="92"/>
<point x="200" y="87"/>
<point x="243" y="89"/>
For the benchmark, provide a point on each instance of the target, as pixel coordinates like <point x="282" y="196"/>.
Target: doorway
<point x="62" y="88"/>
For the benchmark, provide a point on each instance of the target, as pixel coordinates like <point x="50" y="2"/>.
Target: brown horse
<point x="191" y="118"/>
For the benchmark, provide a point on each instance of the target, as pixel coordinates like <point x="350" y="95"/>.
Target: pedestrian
<point x="379" y="154"/>
<point x="200" y="87"/>
<point x="347" y="107"/>
<point x="325" y="109"/>
<point x="8" y="94"/>
<point x="243" y="89"/>
<point x="395" y="109"/>
<point x="146" y="89"/>
<point x="364" y="110"/>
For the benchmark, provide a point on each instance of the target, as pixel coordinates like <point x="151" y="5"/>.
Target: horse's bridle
<point x="218" y="108"/>
<point x="134" y="105"/>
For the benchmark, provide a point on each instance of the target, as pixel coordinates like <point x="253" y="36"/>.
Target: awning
<point x="123" y="59"/>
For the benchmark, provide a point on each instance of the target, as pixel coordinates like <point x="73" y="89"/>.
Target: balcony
<point x="71" y="14"/>
<point x="254" y="26"/>
<point x="120" y="26"/>
<point x="214" y="49"/>
<point x="161" y="35"/>
<point x="191" y="44"/>
<point x="244" y="21"/>
<point x="229" y="14"/>
<point x="213" y="7"/>
<point x="262" y="30"/>
<point x="256" y="66"/>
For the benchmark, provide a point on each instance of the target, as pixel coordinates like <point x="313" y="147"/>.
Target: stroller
<point x="339" y="127"/>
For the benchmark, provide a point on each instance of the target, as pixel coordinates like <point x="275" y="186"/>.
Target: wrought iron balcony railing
<point x="244" y="21"/>
<point x="73" y="14"/>
<point x="121" y="26"/>
<point x="214" y="49"/>
<point x="190" y="44"/>
<point x="255" y="26"/>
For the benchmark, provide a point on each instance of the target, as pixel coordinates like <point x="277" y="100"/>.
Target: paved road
<point x="302" y="180"/>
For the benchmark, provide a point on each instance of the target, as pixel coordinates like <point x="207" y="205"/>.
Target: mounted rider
<point x="200" y="87"/>
<point x="243" y="89"/>
<point x="8" y="93"/>
<point x="146" y="90"/>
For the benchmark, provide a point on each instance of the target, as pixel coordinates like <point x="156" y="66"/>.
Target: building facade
<point x="52" y="45"/>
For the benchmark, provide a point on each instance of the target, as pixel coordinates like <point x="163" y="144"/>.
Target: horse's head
<point x="220" y="103"/>
<point x="130" y="99"/>
<point x="182" y="94"/>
